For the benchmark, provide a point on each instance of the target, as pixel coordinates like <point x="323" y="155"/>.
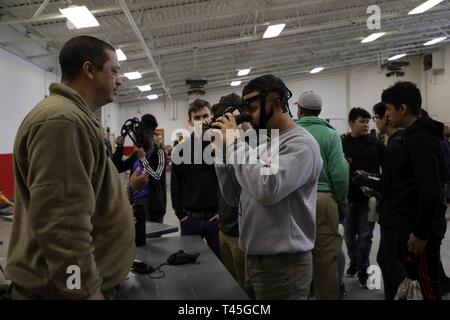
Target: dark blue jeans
<point x="358" y="234"/>
<point x="208" y="230"/>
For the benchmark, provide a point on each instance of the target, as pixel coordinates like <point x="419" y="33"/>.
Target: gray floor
<point x="354" y="292"/>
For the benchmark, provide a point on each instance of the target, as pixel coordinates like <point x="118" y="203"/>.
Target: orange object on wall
<point x="160" y="132"/>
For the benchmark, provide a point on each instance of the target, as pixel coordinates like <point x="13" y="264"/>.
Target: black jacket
<point x="392" y="152"/>
<point x="418" y="175"/>
<point x="158" y="195"/>
<point x="193" y="186"/>
<point x="123" y="165"/>
<point x="362" y="153"/>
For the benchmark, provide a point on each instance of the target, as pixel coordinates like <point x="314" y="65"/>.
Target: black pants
<point x="140" y="208"/>
<point x="388" y="258"/>
<point x="142" y="213"/>
<point x="424" y="267"/>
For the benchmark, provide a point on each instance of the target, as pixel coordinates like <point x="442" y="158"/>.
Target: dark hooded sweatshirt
<point x="193" y="183"/>
<point x="418" y="177"/>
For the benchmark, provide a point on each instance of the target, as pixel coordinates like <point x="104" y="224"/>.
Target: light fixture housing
<point x="398" y="56"/>
<point x="243" y="72"/>
<point x="427" y="5"/>
<point x="235" y="83"/>
<point x="434" y="41"/>
<point x="316" y="70"/>
<point x="133" y="75"/>
<point x="152" y="97"/>
<point x="80" y="17"/>
<point x="145" y="87"/>
<point x="274" y="30"/>
<point x="120" y="55"/>
<point x="373" y="37"/>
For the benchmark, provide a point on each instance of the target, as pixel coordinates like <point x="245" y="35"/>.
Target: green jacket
<point x="71" y="207"/>
<point x="334" y="176"/>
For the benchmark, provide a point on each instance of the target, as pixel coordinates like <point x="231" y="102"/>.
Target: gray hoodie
<point x="278" y="211"/>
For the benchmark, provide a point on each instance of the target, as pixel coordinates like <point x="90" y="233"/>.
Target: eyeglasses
<point x="201" y="117"/>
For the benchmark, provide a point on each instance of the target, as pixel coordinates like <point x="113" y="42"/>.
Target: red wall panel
<point x="7" y="175"/>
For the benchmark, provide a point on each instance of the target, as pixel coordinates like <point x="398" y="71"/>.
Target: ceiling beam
<point x="144" y="46"/>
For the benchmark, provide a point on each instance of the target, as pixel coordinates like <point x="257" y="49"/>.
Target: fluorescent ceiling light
<point x="373" y="37"/>
<point x="152" y="97"/>
<point x="120" y="55"/>
<point x="274" y="30"/>
<point x="396" y="57"/>
<point x="434" y="41"/>
<point x="243" y="72"/>
<point x="133" y="75"/>
<point x="427" y="5"/>
<point x="235" y="83"/>
<point x="80" y="17"/>
<point x="316" y="70"/>
<point x="144" y="88"/>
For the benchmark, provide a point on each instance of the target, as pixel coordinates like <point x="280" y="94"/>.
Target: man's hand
<point x="97" y="296"/>
<point x="246" y="126"/>
<point x="140" y="152"/>
<point x="415" y="245"/>
<point x="227" y="122"/>
<point x="120" y="141"/>
<point x="360" y="177"/>
<point x="184" y="219"/>
<point x="137" y="182"/>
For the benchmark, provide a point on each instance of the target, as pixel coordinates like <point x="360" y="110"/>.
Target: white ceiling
<point x="212" y="39"/>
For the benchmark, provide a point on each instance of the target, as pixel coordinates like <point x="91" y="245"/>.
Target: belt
<point x="200" y="214"/>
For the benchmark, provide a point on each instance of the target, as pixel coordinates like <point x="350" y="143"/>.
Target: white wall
<point x="22" y="86"/>
<point x="163" y="112"/>
<point x="111" y="117"/>
<point x="332" y="89"/>
<point x="437" y="85"/>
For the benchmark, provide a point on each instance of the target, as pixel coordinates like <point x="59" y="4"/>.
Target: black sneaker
<point x="352" y="270"/>
<point x="362" y="277"/>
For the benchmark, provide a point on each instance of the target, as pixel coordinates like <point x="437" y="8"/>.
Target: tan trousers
<point x="327" y="247"/>
<point x="232" y="257"/>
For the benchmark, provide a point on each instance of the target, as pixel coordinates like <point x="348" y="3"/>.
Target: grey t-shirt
<point x="278" y="210"/>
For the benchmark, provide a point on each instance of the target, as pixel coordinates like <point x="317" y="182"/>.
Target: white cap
<point x="310" y="100"/>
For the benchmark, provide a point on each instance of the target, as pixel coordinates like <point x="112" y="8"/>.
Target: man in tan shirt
<point x="73" y="231"/>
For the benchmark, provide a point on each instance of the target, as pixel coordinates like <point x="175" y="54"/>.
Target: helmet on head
<point x="265" y="85"/>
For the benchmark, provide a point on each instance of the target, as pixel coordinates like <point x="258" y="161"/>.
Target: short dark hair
<point x="197" y="105"/>
<point x="379" y="109"/>
<point x="226" y="102"/>
<point x="355" y="113"/>
<point x="80" y="49"/>
<point x="403" y="92"/>
<point x="424" y="113"/>
<point x="148" y="122"/>
<point x="310" y="113"/>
